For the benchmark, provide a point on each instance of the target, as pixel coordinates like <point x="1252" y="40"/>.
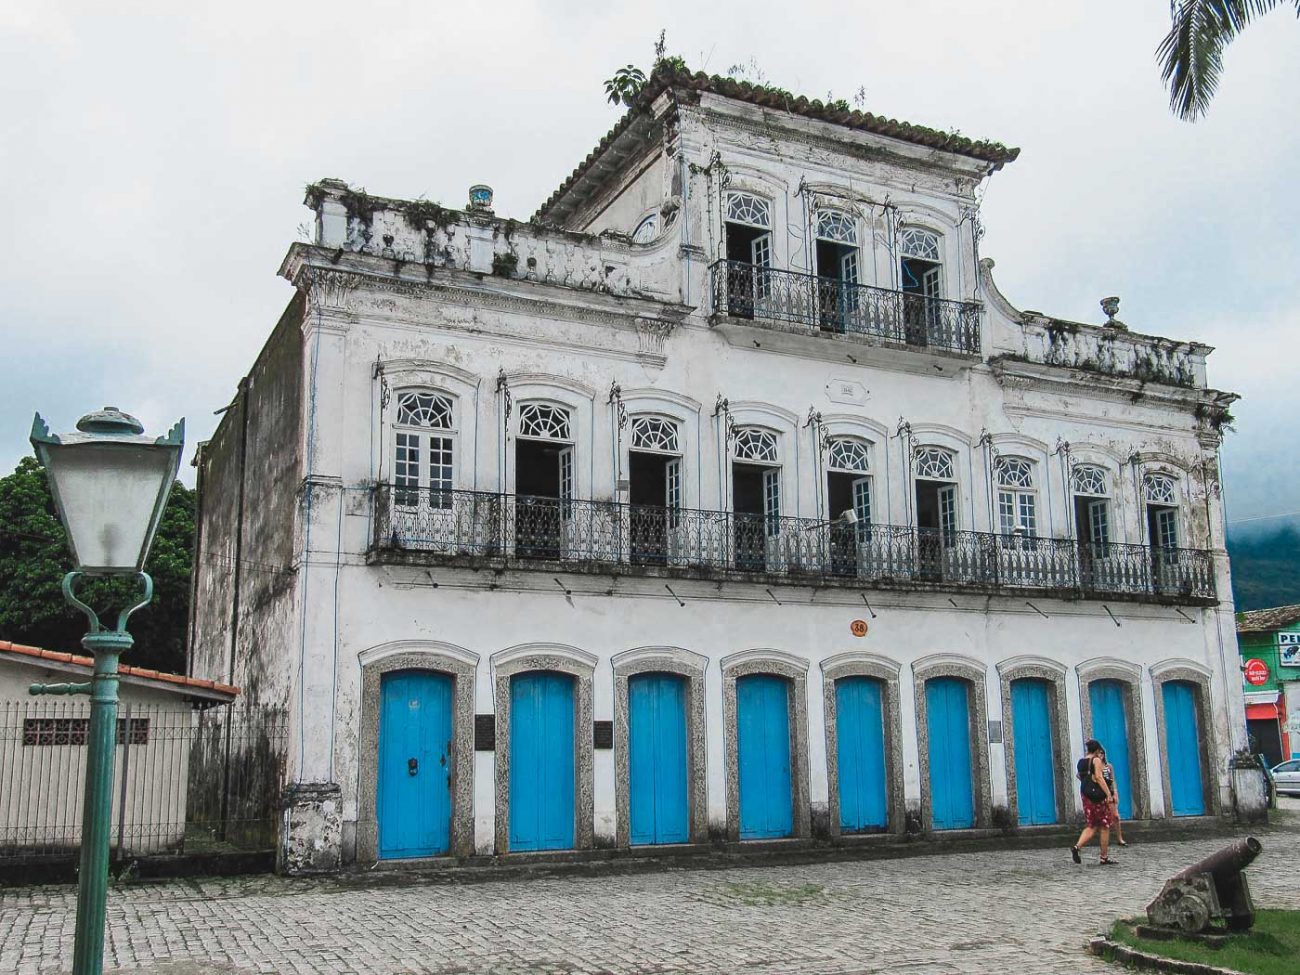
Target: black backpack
<point x="1087" y="784"/>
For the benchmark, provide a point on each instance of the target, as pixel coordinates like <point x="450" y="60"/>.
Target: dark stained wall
<point x="250" y="474"/>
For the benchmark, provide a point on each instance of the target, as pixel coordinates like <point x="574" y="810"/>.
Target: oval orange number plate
<point x="858" y="627"/>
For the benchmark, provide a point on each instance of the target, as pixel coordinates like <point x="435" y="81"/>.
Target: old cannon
<point x="1213" y="889"/>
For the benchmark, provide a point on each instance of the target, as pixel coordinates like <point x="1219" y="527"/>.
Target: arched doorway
<point x="541" y="761"/>
<point x="763" y="746"/>
<point x="952" y="797"/>
<point x="659" y="810"/>
<point x="860" y="754"/>
<point x="1034" y="753"/>
<point x="413" y="793"/>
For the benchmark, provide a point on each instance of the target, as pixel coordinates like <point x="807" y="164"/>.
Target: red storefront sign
<point x="1256" y="671"/>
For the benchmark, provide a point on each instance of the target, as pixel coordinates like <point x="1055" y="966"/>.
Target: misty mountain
<point x="1265" y="565"/>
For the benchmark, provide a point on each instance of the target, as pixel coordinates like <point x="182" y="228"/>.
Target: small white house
<point x="43" y="753"/>
<point x="725" y="500"/>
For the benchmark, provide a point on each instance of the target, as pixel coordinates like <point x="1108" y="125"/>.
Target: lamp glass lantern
<point x="110" y="485"/>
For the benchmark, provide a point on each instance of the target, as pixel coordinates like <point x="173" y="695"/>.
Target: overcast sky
<point x="153" y="159"/>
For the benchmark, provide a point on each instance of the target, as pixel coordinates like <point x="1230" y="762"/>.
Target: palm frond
<point x="1191" y="55"/>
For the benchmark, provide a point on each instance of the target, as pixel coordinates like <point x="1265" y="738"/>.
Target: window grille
<point x="1089" y="480"/>
<point x="1160" y="489"/>
<point x="1015" y="472"/>
<point x="935" y="464"/>
<point x="424" y="410"/>
<point x="655" y="433"/>
<point x="542" y="421"/>
<point x="918" y="243"/>
<point x="836" y="226"/>
<point x="75" y="731"/>
<point x="647" y="230"/>
<point x="756" y="445"/>
<point x="748" y="208"/>
<point x="847" y="454"/>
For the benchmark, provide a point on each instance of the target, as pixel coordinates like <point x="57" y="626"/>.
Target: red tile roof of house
<point x="1264" y="620"/>
<point x="177" y="681"/>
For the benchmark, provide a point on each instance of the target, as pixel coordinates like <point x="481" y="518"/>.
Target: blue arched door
<point x="860" y="754"/>
<point x="1035" y="775"/>
<point x="413" y="798"/>
<point x="1110" y="727"/>
<point x="658" y="807"/>
<point x="541" y="761"/>
<point x="763" y="746"/>
<point x="952" y="796"/>
<point x="1183" y="746"/>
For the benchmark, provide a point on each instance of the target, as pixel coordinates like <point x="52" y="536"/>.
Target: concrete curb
<point x="1109" y="950"/>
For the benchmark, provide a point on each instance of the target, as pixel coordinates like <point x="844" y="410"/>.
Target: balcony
<point x="421" y="527"/>
<point x="895" y="318"/>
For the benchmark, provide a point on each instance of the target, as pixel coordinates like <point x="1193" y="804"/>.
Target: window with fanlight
<point x="747" y="228"/>
<point x="755" y="494"/>
<point x="1160" y="492"/>
<point x="1017" y="496"/>
<point x="654" y="486"/>
<point x="424" y="449"/>
<point x="837" y="270"/>
<point x="1091" y="488"/>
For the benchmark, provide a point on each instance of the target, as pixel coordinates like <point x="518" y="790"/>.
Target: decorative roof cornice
<point x="667" y="77"/>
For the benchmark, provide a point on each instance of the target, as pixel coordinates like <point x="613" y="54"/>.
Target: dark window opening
<point x="843" y="538"/>
<point x="750" y="485"/>
<point x="648" y="495"/>
<point x="538" y="486"/>
<point x="747" y="285"/>
<point x="921" y="289"/>
<point x="837" y="278"/>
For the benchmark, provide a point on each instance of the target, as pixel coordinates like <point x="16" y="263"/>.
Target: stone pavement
<point x="1027" y="912"/>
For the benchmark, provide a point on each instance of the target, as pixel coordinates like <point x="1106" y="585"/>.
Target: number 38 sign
<point x="858" y="627"/>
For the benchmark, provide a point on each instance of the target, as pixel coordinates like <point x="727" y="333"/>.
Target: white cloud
<point x="155" y="155"/>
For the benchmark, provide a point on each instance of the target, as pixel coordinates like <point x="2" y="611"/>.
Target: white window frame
<point x="434" y="435"/>
<point x="1017" y="495"/>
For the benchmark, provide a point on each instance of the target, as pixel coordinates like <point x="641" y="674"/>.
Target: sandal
<point x="1074" y="852"/>
<point x="1121" y="843"/>
<point x="1106" y="862"/>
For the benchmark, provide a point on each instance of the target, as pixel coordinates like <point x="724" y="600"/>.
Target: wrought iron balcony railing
<point x="518" y="530"/>
<point x="897" y="317"/>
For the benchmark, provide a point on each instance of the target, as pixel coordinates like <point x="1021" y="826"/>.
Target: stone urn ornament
<point x="1111" y="307"/>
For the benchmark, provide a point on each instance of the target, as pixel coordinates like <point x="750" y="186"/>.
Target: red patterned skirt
<point x="1098" y="815"/>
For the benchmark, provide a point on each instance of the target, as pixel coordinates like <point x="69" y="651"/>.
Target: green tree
<point x="1191" y="55"/>
<point x="34" y="558"/>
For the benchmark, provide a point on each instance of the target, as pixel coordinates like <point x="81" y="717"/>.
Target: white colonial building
<point x="725" y="500"/>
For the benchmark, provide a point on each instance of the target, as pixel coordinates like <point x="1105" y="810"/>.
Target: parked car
<point x="1286" y="778"/>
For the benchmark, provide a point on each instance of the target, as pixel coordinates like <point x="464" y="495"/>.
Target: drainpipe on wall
<point x="242" y="397"/>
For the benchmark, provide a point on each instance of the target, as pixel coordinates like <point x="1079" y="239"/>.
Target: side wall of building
<point x="249" y="478"/>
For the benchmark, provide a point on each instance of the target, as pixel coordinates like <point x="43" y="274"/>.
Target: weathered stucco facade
<point x="562" y="365"/>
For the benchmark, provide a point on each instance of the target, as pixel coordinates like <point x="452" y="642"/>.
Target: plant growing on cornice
<point x="315" y="195"/>
<point x="625" y="86"/>
<point x="420" y="213"/>
<point x="505" y="265"/>
<point x="360" y="205"/>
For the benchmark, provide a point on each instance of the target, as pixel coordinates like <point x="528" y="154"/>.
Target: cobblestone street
<point x="1026" y="912"/>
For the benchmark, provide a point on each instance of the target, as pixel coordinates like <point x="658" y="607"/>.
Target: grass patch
<point x="1271" y="947"/>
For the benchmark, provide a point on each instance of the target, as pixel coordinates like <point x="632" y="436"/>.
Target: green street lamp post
<point x="110" y="485"/>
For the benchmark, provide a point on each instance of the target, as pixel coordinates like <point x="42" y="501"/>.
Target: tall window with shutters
<point x="424" y="449"/>
<point x="1017" y="497"/>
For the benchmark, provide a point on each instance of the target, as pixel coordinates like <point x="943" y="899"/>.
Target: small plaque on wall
<point x="602" y="734"/>
<point x="485" y="732"/>
<point x="995" y="732"/>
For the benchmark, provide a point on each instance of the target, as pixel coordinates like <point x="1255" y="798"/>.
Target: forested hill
<point x="1265" y="566"/>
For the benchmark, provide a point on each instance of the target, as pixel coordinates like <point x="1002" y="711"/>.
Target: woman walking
<point x="1097" y="806"/>
<point x="1108" y="772"/>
